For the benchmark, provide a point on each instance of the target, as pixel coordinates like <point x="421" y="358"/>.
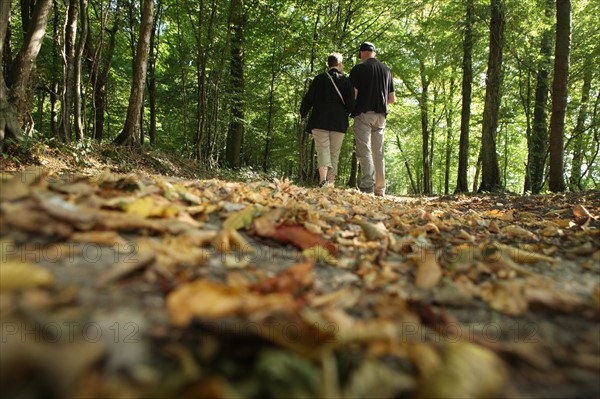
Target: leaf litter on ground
<point x="269" y="289"/>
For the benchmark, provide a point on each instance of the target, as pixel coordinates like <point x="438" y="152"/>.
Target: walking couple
<point x="365" y="95"/>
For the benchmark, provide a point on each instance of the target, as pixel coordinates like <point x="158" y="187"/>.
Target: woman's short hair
<point x="334" y="59"/>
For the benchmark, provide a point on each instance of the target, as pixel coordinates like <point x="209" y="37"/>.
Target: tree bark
<point x="462" y="184"/>
<point x="424" y="107"/>
<point x="236" y="130"/>
<point x="490" y="171"/>
<point x="77" y="92"/>
<point x="449" y="129"/>
<point x="538" y="143"/>
<point x="64" y="128"/>
<point x="152" y="75"/>
<point x="579" y="131"/>
<point x="13" y="91"/>
<point x="131" y="131"/>
<point x="556" y="180"/>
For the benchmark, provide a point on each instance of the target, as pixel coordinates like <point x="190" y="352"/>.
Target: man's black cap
<point x="367" y="46"/>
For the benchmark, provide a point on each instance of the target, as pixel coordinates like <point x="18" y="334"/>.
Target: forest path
<point x="142" y="285"/>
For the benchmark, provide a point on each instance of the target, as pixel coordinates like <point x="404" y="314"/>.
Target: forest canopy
<point x="492" y="95"/>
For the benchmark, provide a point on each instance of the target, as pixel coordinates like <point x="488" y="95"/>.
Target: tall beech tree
<point x="490" y="171"/>
<point x="14" y="101"/>
<point x="538" y="142"/>
<point x="462" y="184"/>
<point x="130" y="135"/>
<point x="562" y="50"/>
<point x="235" y="132"/>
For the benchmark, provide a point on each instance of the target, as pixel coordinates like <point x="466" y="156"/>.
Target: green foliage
<point x="286" y="44"/>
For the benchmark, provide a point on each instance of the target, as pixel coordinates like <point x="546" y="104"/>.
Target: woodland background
<point x="492" y="95"/>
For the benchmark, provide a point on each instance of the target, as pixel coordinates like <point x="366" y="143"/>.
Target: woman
<point x="331" y="97"/>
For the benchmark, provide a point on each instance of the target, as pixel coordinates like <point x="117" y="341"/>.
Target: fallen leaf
<point x="374" y="232"/>
<point x="319" y="254"/>
<point x="241" y="219"/>
<point x="300" y="237"/>
<point x="429" y="271"/>
<point x="514" y="231"/>
<point x="292" y="280"/>
<point x="206" y="299"/>
<point x="16" y="275"/>
<point x="468" y="371"/>
<point x="506" y="296"/>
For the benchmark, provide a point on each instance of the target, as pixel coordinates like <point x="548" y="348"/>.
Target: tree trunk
<point x="64" y="128"/>
<point x="152" y="75"/>
<point x="235" y="132"/>
<point x="462" y="184"/>
<point x="539" y="140"/>
<point x="449" y="128"/>
<point x="424" y="107"/>
<point x="99" y="66"/>
<point x="13" y="91"/>
<point x="267" y="150"/>
<point x="556" y="180"/>
<point x="490" y="171"/>
<point x="77" y="92"/>
<point x="131" y="131"/>
<point x="56" y="67"/>
<point x="9" y="125"/>
<point x="579" y="131"/>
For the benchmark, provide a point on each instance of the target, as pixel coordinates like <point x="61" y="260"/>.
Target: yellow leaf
<point x="241" y="219"/>
<point x="319" y="253"/>
<point x="468" y="371"/>
<point x="16" y="275"/>
<point x="147" y="207"/>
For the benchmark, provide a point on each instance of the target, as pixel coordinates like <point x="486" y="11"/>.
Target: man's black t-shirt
<point x="374" y="82"/>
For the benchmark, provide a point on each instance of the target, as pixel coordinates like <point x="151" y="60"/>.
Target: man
<point x="331" y="97"/>
<point x="374" y="90"/>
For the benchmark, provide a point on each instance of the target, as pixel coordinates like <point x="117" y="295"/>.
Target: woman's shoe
<point x="323" y="183"/>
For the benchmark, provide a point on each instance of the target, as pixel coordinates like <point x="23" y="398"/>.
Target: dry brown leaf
<point x="429" y="271"/>
<point x="206" y="299"/>
<point x="127" y="264"/>
<point x="373" y="231"/>
<point x="293" y="280"/>
<point x="106" y="238"/>
<point x="506" y="296"/>
<point x="514" y="231"/>
<point x="582" y="215"/>
<point x="523" y="255"/>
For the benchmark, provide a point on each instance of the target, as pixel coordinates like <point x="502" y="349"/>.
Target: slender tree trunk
<point x="579" y="131"/>
<point x="490" y="171"/>
<point x="13" y="90"/>
<point x="154" y="40"/>
<point x="235" y="132"/>
<point x="424" y="107"/>
<point x="462" y="184"/>
<point x="267" y="150"/>
<point x="56" y="68"/>
<point x="538" y="145"/>
<point x="131" y="131"/>
<point x="556" y="180"/>
<point x="64" y="127"/>
<point x="449" y="128"/>
<point x="77" y="92"/>
<point x="477" y="173"/>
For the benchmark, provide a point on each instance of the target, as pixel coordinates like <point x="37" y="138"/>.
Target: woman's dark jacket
<point x="329" y="113"/>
